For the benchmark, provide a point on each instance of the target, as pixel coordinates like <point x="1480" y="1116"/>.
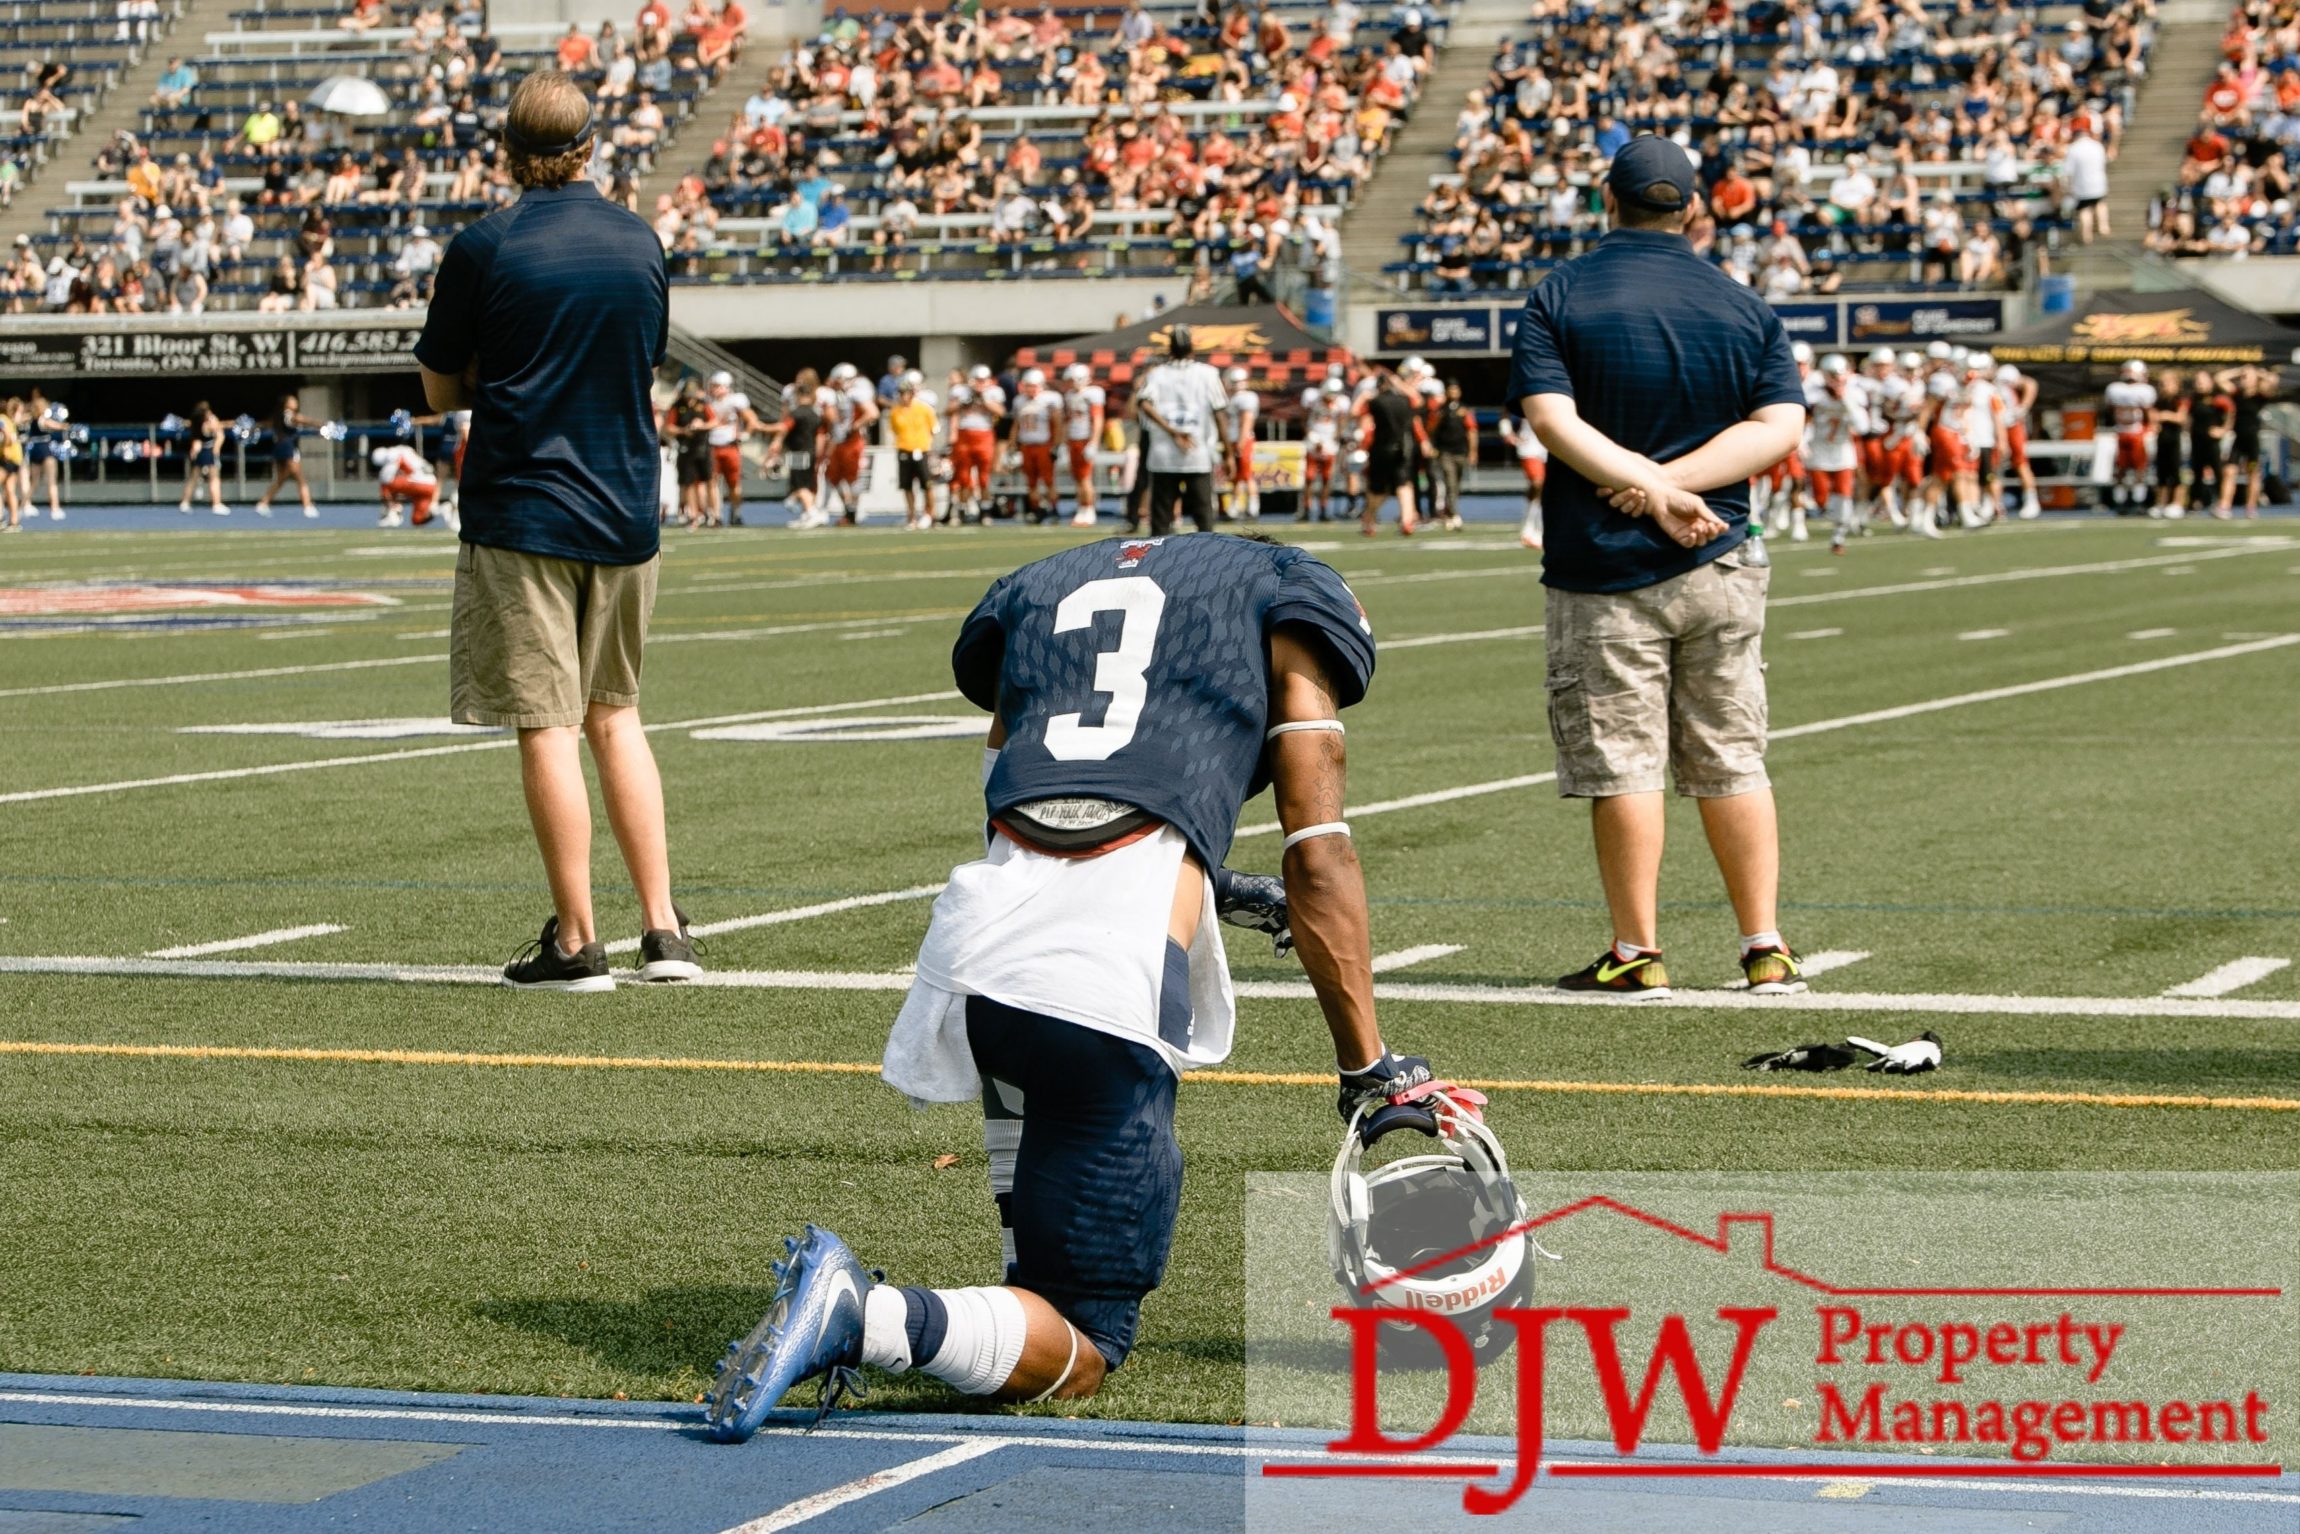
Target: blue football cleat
<point x="813" y="1328"/>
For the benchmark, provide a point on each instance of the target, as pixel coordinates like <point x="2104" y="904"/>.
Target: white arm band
<point x="989" y="761"/>
<point x="1276" y="730"/>
<point x="1326" y="828"/>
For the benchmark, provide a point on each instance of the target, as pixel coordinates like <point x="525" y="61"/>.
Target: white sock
<point x="1752" y="941"/>
<point x="1628" y="951"/>
<point x="982" y="1339"/>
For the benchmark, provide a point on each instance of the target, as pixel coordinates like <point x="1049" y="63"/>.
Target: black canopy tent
<point x="2182" y="327"/>
<point x="1281" y="357"/>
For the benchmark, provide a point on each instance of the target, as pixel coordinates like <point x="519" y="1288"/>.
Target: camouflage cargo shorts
<point x="1671" y="674"/>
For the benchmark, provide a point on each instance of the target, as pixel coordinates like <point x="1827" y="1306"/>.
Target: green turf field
<point x="440" y="1218"/>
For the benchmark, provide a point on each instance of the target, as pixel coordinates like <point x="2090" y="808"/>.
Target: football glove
<point x="1256" y="902"/>
<point x="1922" y="1053"/>
<point x="1395" y="1093"/>
<point x="1804" y="1057"/>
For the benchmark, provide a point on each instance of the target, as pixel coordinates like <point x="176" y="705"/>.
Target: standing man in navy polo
<point x="547" y="322"/>
<point x="1659" y="385"/>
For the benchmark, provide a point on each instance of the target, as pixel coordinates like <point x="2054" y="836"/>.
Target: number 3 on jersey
<point x="1119" y="673"/>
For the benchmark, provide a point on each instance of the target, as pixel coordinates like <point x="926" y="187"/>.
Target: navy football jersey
<point x="1138" y="670"/>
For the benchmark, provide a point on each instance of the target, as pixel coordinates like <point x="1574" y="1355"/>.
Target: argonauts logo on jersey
<point x="1134" y="550"/>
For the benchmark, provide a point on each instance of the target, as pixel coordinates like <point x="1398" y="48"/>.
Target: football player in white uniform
<point x="732" y="419"/>
<point x="2018" y="391"/>
<point x="2131" y="399"/>
<point x="1836" y="417"/>
<point x="850" y="409"/>
<point x="1324" y="409"/>
<point x="1084" y="407"/>
<point x="1878" y="380"/>
<point x="1241" y="497"/>
<point x="1037" y="412"/>
<point x="1777" y="497"/>
<point x="1533" y="458"/>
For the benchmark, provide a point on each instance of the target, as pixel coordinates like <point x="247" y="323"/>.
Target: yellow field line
<point x="1211" y="1078"/>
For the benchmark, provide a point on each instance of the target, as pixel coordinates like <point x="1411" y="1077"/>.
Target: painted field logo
<point x="1696" y="1355"/>
<point x="97" y="598"/>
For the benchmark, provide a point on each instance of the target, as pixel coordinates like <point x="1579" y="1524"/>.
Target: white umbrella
<point x="349" y="96"/>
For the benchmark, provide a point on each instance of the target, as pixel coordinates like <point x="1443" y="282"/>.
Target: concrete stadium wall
<point x="2268" y="285"/>
<point x="1047" y="309"/>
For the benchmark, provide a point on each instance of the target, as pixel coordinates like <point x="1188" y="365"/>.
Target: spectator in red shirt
<point x="575" y="50"/>
<point x="1734" y="197"/>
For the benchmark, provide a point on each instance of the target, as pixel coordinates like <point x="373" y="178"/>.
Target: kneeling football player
<point x="1142" y="690"/>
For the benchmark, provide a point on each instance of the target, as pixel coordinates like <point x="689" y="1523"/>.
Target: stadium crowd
<point x="235" y="195"/>
<point x="878" y="131"/>
<point x="2234" y="194"/>
<point x="1899" y="142"/>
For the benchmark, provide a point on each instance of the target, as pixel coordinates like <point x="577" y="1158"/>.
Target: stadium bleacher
<point x="63" y="57"/>
<point x="1847" y="147"/>
<point x="1081" y="142"/>
<point x="1078" y="142"/>
<point x="2234" y="194"/>
<point x="199" y="206"/>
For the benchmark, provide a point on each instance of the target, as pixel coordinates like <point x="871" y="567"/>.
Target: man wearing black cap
<point x="1659" y="385"/>
<point x="547" y="322"/>
<point x="1179" y="405"/>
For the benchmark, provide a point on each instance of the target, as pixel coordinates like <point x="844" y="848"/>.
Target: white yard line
<point x="796" y="913"/>
<point x="1816" y="634"/>
<point x="2235" y="975"/>
<point x="827" y="627"/>
<point x="1823" y="726"/>
<point x="1440" y="994"/>
<point x="191" y="678"/>
<point x="1405" y="958"/>
<point x="253" y="940"/>
<point x="271" y="769"/>
<point x="2152" y="633"/>
<point x="1523" y="631"/>
<point x="791" y="1514"/>
<point x="1986" y="634"/>
<point x="2047" y="572"/>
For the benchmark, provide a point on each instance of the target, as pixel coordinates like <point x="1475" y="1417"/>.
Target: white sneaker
<point x="1082" y="517"/>
<point x="2175" y="513"/>
<point x="57" y="515"/>
<point x="186" y="508"/>
<point x="451" y="517"/>
<point x="262" y="510"/>
<point x="311" y="511"/>
<point x="388" y="519"/>
<point x="221" y="511"/>
<point x="2030" y="511"/>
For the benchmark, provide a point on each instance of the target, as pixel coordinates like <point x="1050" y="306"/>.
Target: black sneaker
<point x="1638" y="979"/>
<point x="669" y="955"/>
<point x="542" y="966"/>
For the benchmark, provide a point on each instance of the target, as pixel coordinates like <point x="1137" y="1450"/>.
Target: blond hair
<point x="547" y="107"/>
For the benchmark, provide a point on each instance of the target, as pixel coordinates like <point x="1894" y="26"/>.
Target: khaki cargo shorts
<point x="535" y="640"/>
<point x="1668" y="674"/>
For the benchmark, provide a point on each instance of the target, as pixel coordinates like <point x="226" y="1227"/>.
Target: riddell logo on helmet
<point x="1453" y="1300"/>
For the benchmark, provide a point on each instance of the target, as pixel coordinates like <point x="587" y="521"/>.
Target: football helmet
<point x="1802" y="352"/>
<point x="1440" y="1232"/>
<point x="1835" y="366"/>
<point x="1034" y="378"/>
<point x="2135" y="371"/>
<point x="1077" y="373"/>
